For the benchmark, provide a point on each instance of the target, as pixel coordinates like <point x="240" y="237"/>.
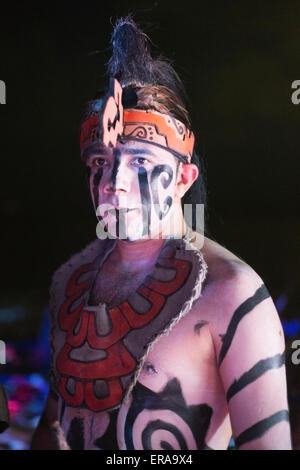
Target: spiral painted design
<point x="164" y="421"/>
<point x="139" y="132"/>
<point x="165" y="182"/>
<point x="159" y="425"/>
<point x="179" y="127"/>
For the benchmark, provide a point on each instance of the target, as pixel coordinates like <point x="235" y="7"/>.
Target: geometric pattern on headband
<point x="111" y="123"/>
<point x="160" y="129"/>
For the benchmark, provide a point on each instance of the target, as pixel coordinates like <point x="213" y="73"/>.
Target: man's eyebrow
<point x="93" y="151"/>
<point x="127" y="150"/>
<point x="138" y="151"/>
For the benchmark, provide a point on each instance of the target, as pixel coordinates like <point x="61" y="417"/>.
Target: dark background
<point x="237" y="59"/>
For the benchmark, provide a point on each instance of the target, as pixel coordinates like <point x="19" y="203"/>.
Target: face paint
<point x="145" y="200"/>
<point x="96" y="180"/>
<point x="115" y="169"/>
<point x="133" y="197"/>
<point x="157" y="171"/>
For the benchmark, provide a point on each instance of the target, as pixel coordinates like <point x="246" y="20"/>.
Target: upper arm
<point x="250" y="349"/>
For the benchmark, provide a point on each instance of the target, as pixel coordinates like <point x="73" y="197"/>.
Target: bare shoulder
<point x="224" y="267"/>
<point x="249" y="349"/>
<point x="234" y="295"/>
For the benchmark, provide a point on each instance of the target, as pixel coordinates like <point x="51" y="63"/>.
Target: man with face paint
<point x="161" y="338"/>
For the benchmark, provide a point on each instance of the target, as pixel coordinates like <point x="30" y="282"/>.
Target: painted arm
<point x="250" y="347"/>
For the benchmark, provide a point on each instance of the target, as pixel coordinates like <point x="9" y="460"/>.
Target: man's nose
<point x="119" y="178"/>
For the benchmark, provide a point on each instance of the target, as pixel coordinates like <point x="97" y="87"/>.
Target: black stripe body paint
<point x="246" y="307"/>
<point x="75" y="436"/>
<point x="158" y="425"/>
<point x="260" y="428"/>
<point x="156" y="172"/>
<point x="199" y="325"/>
<point x="260" y="368"/>
<point x="109" y="439"/>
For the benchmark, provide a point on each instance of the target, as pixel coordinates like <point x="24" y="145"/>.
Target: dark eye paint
<point x="156" y="172"/>
<point x="115" y="169"/>
<point x="96" y="180"/>
<point x="87" y="174"/>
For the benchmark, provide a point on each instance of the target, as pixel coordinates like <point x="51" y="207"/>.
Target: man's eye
<point x="140" y="161"/>
<point x="98" y="161"/>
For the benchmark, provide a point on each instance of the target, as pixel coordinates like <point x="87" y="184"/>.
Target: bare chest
<point x="113" y="287"/>
<point x="177" y="400"/>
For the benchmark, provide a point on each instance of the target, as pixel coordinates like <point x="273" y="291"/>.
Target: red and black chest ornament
<point x="104" y="346"/>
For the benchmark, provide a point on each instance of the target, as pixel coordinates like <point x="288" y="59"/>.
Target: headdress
<point x="118" y="116"/>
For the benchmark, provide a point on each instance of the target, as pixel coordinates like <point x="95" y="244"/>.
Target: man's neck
<point x="138" y="255"/>
<point x="142" y="254"/>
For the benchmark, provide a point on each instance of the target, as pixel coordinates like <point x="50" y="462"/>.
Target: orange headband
<point x="112" y="123"/>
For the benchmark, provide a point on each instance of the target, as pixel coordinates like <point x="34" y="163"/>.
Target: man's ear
<point x="187" y="174"/>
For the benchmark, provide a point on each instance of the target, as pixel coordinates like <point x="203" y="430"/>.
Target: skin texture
<point x="220" y="371"/>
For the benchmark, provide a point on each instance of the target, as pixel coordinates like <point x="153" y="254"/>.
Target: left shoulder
<point x="249" y="348"/>
<point x="236" y="299"/>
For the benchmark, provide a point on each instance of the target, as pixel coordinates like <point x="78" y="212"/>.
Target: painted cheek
<point x="95" y="186"/>
<point x="145" y="200"/>
<point x="162" y="177"/>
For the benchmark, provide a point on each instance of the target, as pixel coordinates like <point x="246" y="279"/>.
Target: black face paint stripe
<point x="260" y="428"/>
<point x="145" y="200"/>
<point x="96" y="180"/>
<point x="199" y="325"/>
<point x="260" y="368"/>
<point x="75" y="436"/>
<point x="156" y="172"/>
<point x="115" y="168"/>
<point x="246" y="307"/>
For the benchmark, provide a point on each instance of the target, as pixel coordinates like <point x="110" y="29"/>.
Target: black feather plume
<point x="131" y="61"/>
